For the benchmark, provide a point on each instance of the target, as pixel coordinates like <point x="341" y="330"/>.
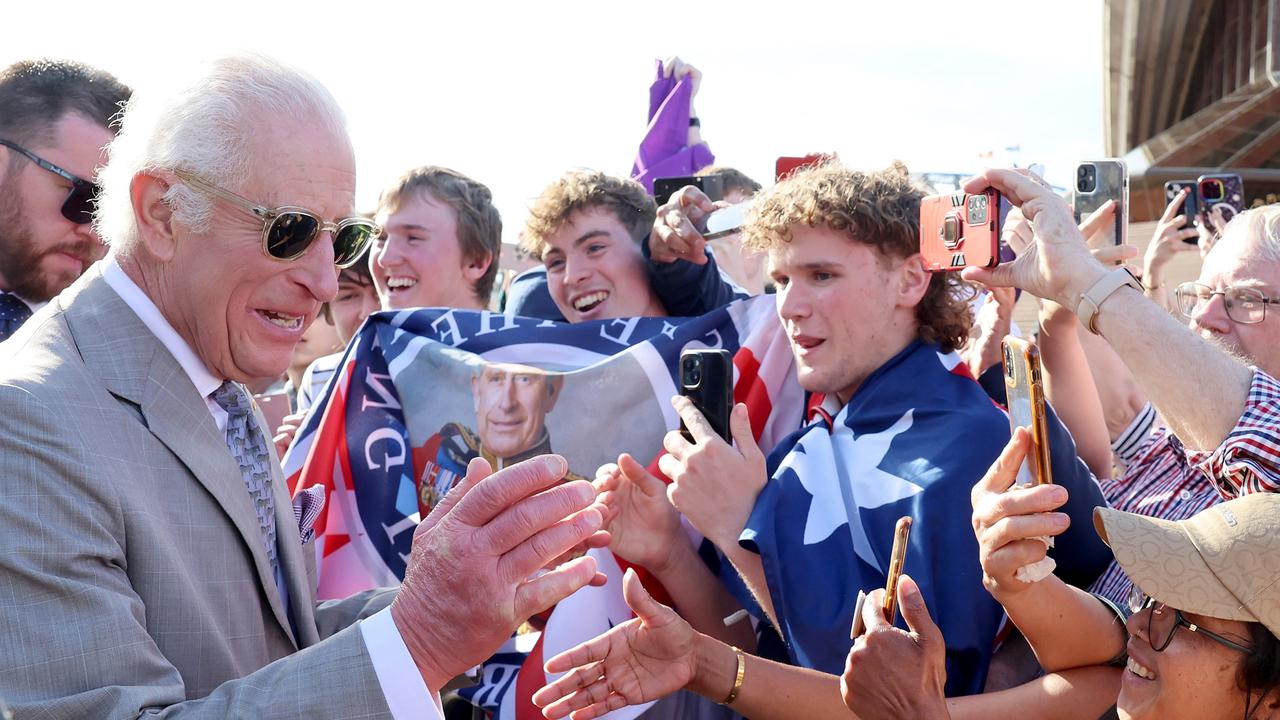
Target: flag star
<point x="829" y="467"/>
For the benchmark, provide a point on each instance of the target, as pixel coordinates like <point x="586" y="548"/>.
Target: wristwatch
<point x="1092" y="299"/>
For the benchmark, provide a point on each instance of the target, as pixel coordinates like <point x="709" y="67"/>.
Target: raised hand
<point x="642" y="522"/>
<point x="713" y="483"/>
<point x="675" y="233"/>
<point x="1057" y="265"/>
<point x="641" y="660"/>
<point x="1007" y="520"/>
<point x="892" y="673"/>
<point x="492" y="534"/>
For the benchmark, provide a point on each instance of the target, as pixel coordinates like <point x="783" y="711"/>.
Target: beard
<point x="20" y="257"/>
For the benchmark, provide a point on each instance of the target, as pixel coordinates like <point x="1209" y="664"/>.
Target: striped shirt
<point x="1163" y="479"/>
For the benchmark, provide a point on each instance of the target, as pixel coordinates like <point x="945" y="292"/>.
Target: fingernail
<point x="1058" y="494"/>
<point x="1061" y="521"/>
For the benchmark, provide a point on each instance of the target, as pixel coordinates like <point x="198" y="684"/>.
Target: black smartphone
<point x="1190" y="205"/>
<point x="706" y="378"/>
<point x="711" y="185"/>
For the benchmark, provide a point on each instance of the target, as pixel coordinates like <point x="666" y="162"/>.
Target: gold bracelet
<point x="737" y="681"/>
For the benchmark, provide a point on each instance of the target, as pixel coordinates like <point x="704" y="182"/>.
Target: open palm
<point x="639" y="661"/>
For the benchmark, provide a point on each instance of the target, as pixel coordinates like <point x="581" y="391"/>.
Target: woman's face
<point x="1195" y="678"/>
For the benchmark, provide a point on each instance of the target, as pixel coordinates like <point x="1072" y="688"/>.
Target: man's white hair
<point x="204" y="126"/>
<point x="1256" y="230"/>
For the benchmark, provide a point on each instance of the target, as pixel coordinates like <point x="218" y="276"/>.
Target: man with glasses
<point x="1218" y="402"/>
<point x="55" y="119"/>
<point x="152" y="560"/>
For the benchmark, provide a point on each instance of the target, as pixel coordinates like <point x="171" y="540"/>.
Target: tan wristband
<point x="737" y="681"/>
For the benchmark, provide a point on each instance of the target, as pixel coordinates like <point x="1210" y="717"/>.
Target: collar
<point x="150" y="315"/>
<point x="31" y="304"/>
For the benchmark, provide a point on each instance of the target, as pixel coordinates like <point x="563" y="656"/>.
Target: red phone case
<point x="786" y="165"/>
<point x="958" y="230"/>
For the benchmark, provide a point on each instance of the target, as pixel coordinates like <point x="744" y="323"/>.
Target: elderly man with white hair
<point x="151" y="560"/>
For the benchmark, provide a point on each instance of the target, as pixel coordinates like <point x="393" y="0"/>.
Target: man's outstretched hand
<point x="478" y="565"/>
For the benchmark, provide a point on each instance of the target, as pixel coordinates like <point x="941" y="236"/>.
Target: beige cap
<point x="1223" y="562"/>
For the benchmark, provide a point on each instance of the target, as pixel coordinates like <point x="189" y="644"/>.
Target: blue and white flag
<point x="913" y="440"/>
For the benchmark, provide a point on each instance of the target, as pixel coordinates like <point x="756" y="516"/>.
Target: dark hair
<point x="36" y="94"/>
<point x="732" y="178"/>
<point x="1260" y="671"/>
<point x="479" y="224"/>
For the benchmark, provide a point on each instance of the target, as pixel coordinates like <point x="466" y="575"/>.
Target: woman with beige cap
<point x="1199" y="638"/>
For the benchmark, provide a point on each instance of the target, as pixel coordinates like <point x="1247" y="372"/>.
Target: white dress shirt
<point x="402" y="685"/>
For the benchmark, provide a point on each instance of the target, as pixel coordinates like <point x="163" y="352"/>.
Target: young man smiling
<point x="442" y="237"/>
<point x="588" y="227"/>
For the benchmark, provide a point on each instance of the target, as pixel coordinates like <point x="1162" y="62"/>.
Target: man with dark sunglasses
<point x="55" y="119"/>
<point x="152" y="559"/>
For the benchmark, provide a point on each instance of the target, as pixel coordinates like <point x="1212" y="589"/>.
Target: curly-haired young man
<point x="899" y="428"/>
<point x="588" y="227"/>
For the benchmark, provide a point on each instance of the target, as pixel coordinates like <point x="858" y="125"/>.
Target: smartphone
<point x="897" y="557"/>
<point x="706" y="378"/>
<point x="711" y="185"/>
<point x="726" y="221"/>
<point x="901" y="532"/>
<point x="1190" y="205"/>
<point x="787" y="164"/>
<point x="1025" y="392"/>
<point x="1223" y="192"/>
<point x="1098" y="181"/>
<point x="958" y="230"/>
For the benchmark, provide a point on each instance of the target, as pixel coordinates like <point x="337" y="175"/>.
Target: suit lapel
<point x="289" y="551"/>
<point x="135" y="366"/>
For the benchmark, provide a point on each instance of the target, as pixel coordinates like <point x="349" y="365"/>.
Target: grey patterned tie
<point x="249" y="448"/>
<point x="13" y="312"/>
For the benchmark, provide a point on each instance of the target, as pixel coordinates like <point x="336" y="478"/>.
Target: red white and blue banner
<point x="419" y="393"/>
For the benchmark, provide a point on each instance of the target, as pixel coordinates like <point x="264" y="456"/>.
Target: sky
<point x="513" y="94"/>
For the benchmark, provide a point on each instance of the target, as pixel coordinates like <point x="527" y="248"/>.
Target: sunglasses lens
<point x="79" y="205"/>
<point x="350" y="242"/>
<point x="290" y="234"/>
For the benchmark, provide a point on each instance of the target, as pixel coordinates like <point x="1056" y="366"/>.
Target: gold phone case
<point x="1025" y="394"/>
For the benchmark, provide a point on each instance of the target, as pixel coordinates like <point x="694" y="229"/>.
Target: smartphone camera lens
<point x="1086" y="178"/>
<point x="1212" y="190"/>
<point x="691" y="372"/>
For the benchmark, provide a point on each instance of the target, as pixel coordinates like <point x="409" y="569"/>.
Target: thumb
<point x="740" y="429"/>
<point x="642" y="478"/>
<point x="649" y="611"/>
<point x="998" y="276"/>
<point x="915" y="612"/>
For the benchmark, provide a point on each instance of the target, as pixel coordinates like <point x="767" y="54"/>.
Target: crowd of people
<point x="166" y="255"/>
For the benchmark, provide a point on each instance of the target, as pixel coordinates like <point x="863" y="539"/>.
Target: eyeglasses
<point x="78" y="207"/>
<point x="288" y="231"/>
<point x="1164" y="621"/>
<point x="1244" y="305"/>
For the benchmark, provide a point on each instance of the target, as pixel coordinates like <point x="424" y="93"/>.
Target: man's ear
<point x="915" y="281"/>
<point x="475" y="268"/>
<point x="154" y="216"/>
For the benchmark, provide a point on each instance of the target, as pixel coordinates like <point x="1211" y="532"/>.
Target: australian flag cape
<point x="913" y="440"/>
<point x="419" y="393"/>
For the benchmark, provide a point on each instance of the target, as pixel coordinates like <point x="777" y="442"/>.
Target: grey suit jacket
<point x="132" y="577"/>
